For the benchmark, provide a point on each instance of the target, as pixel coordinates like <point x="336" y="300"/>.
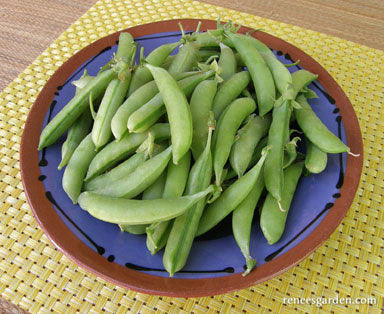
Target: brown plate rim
<point x="90" y="260"/>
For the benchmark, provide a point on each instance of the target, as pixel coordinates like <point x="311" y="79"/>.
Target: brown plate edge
<point x="81" y="254"/>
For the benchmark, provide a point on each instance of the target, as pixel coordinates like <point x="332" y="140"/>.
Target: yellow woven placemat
<point x="37" y="277"/>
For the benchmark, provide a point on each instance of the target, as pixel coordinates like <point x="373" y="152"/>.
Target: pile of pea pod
<point x="171" y="146"/>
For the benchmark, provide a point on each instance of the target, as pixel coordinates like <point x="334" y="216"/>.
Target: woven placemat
<point x="37" y="277"/>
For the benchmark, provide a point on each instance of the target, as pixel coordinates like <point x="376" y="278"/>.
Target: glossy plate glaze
<point x="215" y="263"/>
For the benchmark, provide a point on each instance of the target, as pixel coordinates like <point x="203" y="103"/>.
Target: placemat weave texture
<point x="37" y="277"/>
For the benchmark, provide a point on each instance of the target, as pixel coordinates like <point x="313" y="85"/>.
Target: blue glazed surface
<point x="209" y="257"/>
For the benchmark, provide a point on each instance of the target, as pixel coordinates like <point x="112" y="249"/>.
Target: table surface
<point x="27" y="27"/>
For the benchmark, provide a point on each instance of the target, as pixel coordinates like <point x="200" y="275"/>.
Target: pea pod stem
<point x="136" y="212"/>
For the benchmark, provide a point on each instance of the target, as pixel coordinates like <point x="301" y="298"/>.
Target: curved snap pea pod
<point x="176" y="179"/>
<point x="315" y="158"/>
<point x="184" y="227"/>
<point x="156" y="58"/>
<point x="230" y="198"/>
<point x="76" y="169"/>
<point x="242" y="218"/>
<point x="140" y="179"/>
<point x="138" y="98"/>
<point x="210" y="38"/>
<point x="239" y="60"/>
<point x="115" y="151"/>
<point x="227" y="62"/>
<point x="137" y="212"/>
<point x="150" y="112"/>
<point x="115" y="93"/>
<point x="315" y="130"/>
<point x="76" y="133"/>
<point x="116" y="173"/>
<point x="255" y="158"/>
<point x="273" y="168"/>
<point x="75" y="107"/>
<point x="227" y="127"/>
<point x="259" y="71"/>
<point x="155" y="191"/>
<point x="186" y="58"/>
<point x="272" y="219"/>
<point x="113" y="98"/>
<point x="281" y="75"/>
<point x="246" y="141"/>
<point x="201" y="104"/>
<point x="178" y="111"/>
<point x="290" y="152"/>
<point x="301" y="79"/>
<point x="229" y="91"/>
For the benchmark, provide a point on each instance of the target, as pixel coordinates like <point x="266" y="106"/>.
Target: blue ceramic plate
<point x="215" y="258"/>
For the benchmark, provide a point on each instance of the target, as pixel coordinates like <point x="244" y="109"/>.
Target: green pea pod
<point x="316" y="131"/>
<point x="301" y="79"/>
<point x="281" y="75"/>
<point x="76" y="134"/>
<point x="119" y="172"/>
<point x="178" y="111"/>
<point x="186" y="58"/>
<point x="113" y="98"/>
<point x="242" y="218"/>
<point x="155" y="191"/>
<point x="255" y="158"/>
<point x="168" y="61"/>
<point x="230" y="198"/>
<point x="272" y="219"/>
<point x="227" y="62"/>
<point x="201" y="104"/>
<point x="138" y="98"/>
<point x="184" y="228"/>
<point x="315" y="158"/>
<point x="290" y="152"/>
<point x="150" y="112"/>
<point x="227" y="127"/>
<point x="273" y="168"/>
<point x="246" y="141"/>
<point x="75" y="107"/>
<point x="210" y="38"/>
<point x="137" y="212"/>
<point x="229" y="91"/>
<point x="138" y="180"/>
<point x="177" y="176"/>
<point x="76" y="169"/>
<point x="115" y="151"/>
<point x="259" y="71"/>
<point x="156" y="58"/>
